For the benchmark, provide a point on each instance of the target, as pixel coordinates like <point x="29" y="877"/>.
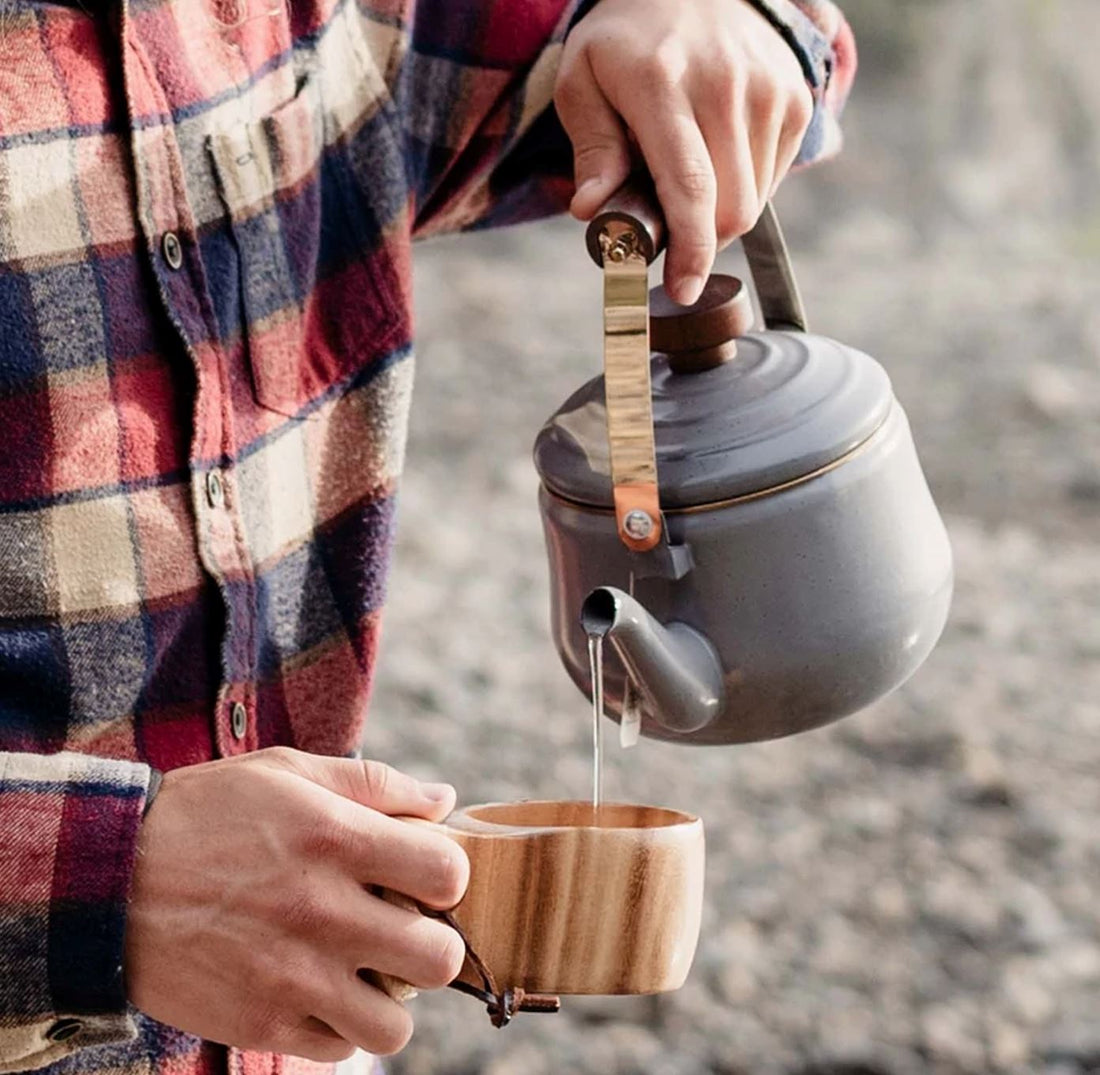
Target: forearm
<point x="68" y="833"/>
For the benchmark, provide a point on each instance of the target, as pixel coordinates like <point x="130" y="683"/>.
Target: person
<point x="206" y="211"/>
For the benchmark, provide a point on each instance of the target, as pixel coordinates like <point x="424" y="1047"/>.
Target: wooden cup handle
<point x="395" y="988"/>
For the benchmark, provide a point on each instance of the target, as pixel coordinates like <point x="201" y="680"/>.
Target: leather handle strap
<point x="629" y="398"/>
<point x="623" y="239"/>
<point x="500" y="1004"/>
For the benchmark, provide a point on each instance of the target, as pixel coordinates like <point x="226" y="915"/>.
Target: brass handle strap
<point x="629" y="400"/>
<point x="624" y="238"/>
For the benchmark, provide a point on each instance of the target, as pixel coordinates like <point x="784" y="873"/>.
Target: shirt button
<point x="64" y="1029"/>
<point x="173" y="249"/>
<point x="238" y="720"/>
<point x="215" y="488"/>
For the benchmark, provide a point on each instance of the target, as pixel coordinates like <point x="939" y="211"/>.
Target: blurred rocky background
<point x="915" y="889"/>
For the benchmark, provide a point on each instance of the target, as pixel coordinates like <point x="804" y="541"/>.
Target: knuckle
<point x="305" y="914"/>
<point x="801" y="109"/>
<point x="567" y="91"/>
<point x="445" y="956"/>
<point x="341" y="1050"/>
<point x="377" y="778"/>
<point x="392" y="1033"/>
<point x="264" y="1021"/>
<point x="323" y="1052"/>
<point x="694" y="246"/>
<point x="284" y="757"/>
<point x="450" y="874"/>
<point x="323" y="837"/>
<point x="724" y="83"/>
<point x="734" y="221"/>
<point x="665" y="65"/>
<point x="315" y="1040"/>
<point x="695" y="181"/>
<point x="593" y="151"/>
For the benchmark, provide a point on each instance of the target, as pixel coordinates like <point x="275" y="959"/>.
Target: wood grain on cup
<point x="558" y="904"/>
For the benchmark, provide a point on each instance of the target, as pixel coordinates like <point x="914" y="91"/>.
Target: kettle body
<point x="818" y="597"/>
<point x="742" y="515"/>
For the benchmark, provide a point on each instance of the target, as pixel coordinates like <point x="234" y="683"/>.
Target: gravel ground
<point x="915" y="889"/>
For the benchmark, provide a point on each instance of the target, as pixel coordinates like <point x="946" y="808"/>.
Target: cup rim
<point x="654" y="819"/>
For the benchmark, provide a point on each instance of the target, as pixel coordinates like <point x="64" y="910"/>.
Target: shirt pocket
<point x="322" y="290"/>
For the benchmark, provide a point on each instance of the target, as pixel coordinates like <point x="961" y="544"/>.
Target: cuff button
<point x="64" y="1029"/>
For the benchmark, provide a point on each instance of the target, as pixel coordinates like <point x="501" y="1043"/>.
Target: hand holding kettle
<point x="711" y="94"/>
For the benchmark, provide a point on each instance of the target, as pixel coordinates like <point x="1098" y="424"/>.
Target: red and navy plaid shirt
<point x="206" y="211"/>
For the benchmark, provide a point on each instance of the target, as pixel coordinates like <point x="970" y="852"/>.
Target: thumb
<point x="601" y="150"/>
<point x="374" y="784"/>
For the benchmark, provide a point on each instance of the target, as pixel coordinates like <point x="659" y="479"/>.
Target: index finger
<point x="677" y="156"/>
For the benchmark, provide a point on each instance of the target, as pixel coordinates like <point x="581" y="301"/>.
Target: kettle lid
<point x="773" y="407"/>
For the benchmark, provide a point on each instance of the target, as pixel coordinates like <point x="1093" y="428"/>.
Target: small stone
<point x="1079" y="960"/>
<point x="847" y="1031"/>
<point x="985" y="783"/>
<point x="1024" y="992"/>
<point x="525" y="1058"/>
<point x="954" y="902"/>
<point x="735" y="983"/>
<point x="1009" y="1046"/>
<point x="1084" y="489"/>
<point x="890" y="901"/>
<point x="639" y="1010"/>
<point x="1038" y="920"/>
<point x="1054" y="393"/>
<point x="952" y="1038"/>
<point x="635" y="1047"/>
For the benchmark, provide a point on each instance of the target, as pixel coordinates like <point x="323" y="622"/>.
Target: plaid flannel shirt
<point x="205" y="371"/>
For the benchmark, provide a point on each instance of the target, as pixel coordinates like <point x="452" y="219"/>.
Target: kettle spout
<point x="675" y="667"/>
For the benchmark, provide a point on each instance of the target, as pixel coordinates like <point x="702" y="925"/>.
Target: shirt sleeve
<point x="823" y="42"/>
<point x="473" y="95"/>
<point x="68" y="833"/>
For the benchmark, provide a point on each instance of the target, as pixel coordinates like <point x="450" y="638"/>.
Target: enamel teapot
<point x="738" y="513"/>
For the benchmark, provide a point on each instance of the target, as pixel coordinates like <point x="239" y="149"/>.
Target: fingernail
<point x="588" y="186"/>
<point x="437" y="793"/>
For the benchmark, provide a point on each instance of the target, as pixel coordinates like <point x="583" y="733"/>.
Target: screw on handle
<point x="630" y="222"/>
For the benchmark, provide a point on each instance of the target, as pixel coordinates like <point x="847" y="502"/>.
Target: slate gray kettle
<point x="789" y="566"/>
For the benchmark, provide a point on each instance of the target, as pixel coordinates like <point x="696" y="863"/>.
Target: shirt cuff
<point x="68" y="836"/>
<point x="810" y="45"/>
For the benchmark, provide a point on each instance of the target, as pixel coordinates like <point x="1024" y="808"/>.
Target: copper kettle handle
<point x="633" y="210"/>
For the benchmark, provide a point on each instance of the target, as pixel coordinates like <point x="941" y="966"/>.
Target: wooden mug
<point x="566" y="900"/>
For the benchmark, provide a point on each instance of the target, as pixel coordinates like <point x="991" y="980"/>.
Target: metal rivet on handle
<point x="638" y="524"/>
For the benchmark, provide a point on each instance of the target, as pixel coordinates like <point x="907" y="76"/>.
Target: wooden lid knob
<point x="701" y="336"/>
